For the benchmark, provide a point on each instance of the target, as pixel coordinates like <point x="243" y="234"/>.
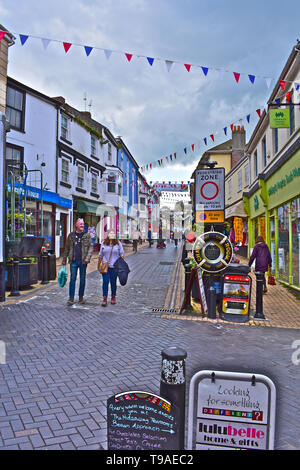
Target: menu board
<point x="141" y="421"/>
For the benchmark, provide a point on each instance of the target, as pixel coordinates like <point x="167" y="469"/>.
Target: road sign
<point x="231" y="411"/>
<point x="210" y="189"/>
<point x="209" y="216"/>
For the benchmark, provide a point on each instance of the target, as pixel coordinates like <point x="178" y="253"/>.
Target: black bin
<point x="51" y="267"/>
<point x="236" y="293"/>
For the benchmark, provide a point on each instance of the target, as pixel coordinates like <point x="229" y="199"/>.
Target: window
<point x="94" y="183"/>
<point x="80" y="177"/>
<point x="229" y="189"/>
<point x="14" y="155"/>
<point x="109" y="151"/>
<point x="15" y="106"/>
<point x="93" y="145"/>
<point x="65" y="170"/>
<point x="275" y="141"/>
<point x="255" y="164"/>
<point x="240" y="181"/>
<point x="247" y="175"/>
<point x="111" y="187"/>
<point x="64" y="127"/>
<point x="264" y="151"/>
<point x="292" y="116"/>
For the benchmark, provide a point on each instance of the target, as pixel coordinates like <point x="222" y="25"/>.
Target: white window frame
<point x="247" y="175"/>
<point x="93" y="146"/>
<point x="109" y="151"/>
<point x="80" y="178"/>
<point x="240" y="180"/>
<point x="65" y="171"/>
<point x="229" y="189"/>
<point x="111" y="184"/>
<point x="64" y="129"/>
<point x="94" y="183"/>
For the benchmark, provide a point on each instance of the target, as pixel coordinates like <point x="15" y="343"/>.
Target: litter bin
<point x="51" y="266"/>
<point x="236" y="293"/>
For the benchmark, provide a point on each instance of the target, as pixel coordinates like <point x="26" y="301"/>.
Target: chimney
<point x="86" y="114"/>
<point x="61" y="99"/>
<point x="238" y="144"/>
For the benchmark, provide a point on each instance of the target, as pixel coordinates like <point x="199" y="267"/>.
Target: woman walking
<point x="263" y="261"/>
<point x="111" y="249"/>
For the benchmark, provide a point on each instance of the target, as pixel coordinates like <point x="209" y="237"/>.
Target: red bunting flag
<point x="258" y="112"/>
<point x="188" y="67"/>
<point x="282" y="84"/>
<point x="174" y="155"/>
<point x="2" y="34"/>
<point x="212" y="137"/>
<point x="236" y="76"/>
<point x="67" y="46"/>
<point x="128" y="57"/>
<point x="288" y="96"/>
<point x="193" y="146"/>
<point x="231" y="126"/>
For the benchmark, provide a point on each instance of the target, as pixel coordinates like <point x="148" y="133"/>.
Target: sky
<point x="157" y="112"/>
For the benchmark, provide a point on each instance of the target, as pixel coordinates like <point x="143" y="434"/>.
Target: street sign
<point x="210" y="216"/>
<point x="210" y="189"/>
<point x="231" y="411"/>
<point x="141" y="421"/>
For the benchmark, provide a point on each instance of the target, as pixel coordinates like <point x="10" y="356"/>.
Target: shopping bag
<point x="62" y="276"/>
<point x="271" y="280"/>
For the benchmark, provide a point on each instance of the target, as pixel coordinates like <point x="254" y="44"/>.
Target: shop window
<point x="295" y="214"/>
<point x="15" y="108"/>
<point x="283" y="242"/>
<point x="80" y="177"/>
<point x="65" y="170"/>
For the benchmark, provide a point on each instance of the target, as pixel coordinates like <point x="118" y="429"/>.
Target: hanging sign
<point x="279" y="118"/>
<point x="209" y="189"/>
<point x="231" y="411"/>
<point x="141" y="421"/>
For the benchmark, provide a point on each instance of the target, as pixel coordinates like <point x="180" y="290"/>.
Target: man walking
<point x="79" y="249"/>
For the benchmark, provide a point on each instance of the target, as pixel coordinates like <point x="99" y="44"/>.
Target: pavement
<point x="63" y="363"/>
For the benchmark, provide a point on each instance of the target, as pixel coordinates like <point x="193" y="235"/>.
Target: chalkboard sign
<point x="141" y="421"/>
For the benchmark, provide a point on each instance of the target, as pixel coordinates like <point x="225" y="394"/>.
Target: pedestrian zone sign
<point x="231" y="411"/>
<point x="210" y="194"/>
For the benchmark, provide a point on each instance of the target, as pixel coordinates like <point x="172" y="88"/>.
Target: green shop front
<point x="273" y="208"/>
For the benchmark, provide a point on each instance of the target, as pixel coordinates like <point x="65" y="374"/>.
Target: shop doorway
<point x="62" y="232"/>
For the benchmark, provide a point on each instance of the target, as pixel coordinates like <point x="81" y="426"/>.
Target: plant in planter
<point x="19" y="221"/>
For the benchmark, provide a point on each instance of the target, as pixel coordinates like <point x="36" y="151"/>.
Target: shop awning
<point x="87" y="207"/>
<point x="237" y="210"/>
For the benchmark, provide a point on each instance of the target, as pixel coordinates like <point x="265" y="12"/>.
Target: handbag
<point x="103" y="267"/>
<point x="271" y="280"/>
<point x="62" y="276"/>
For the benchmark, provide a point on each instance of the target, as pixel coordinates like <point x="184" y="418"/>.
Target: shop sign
<point x="284" y="181"/>
<point x="212" y="251"/>
<point x="231" y="411"/>
<point x="279" y="118"/>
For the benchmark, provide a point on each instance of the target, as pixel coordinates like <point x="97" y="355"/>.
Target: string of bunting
<point x="150" y="60"/>
<point x="192" y="147"/>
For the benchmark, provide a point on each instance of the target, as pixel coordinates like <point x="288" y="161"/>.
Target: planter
<point x="28" y="274"/>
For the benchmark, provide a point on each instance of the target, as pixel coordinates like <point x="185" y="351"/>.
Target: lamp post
<point x="4" y="127"/>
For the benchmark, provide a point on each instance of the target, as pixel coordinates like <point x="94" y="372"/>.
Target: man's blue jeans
<point x="110" y="276"/>
<point x="74" y="266"/>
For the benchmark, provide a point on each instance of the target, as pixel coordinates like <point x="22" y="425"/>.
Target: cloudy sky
<point x="156" y="111"/>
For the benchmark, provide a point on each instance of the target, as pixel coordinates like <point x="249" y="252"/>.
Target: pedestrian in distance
<point x="263" y="261"/>
<point x="150" y="238"/>
<point x="111" y="250"/>
<point x="135" y="239"/>
<point x="78" y="249"/>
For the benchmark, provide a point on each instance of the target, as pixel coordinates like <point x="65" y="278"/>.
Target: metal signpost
<point x="231" y="411"/>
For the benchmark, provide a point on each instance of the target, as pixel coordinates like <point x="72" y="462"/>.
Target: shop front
<point x="237" y="218"/>
<point x="273" y="208"/>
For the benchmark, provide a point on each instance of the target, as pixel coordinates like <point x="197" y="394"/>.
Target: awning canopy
<point x="86" y="206"/>
<point x="237" y="210"/>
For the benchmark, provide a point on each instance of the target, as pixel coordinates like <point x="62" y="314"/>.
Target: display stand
<point x="195" y="277"/>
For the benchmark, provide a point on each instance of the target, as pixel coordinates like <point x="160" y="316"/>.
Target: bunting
<point x="150" y="60"/>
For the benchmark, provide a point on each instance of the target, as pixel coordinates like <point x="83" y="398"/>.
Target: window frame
<point x="93" y="146"/>
<point x="67" y="128"/>
<point x="21" y="111"/>
<point x="64" y="171"/>
<point x="94" y="178"/>
<point x="79" y="178"/>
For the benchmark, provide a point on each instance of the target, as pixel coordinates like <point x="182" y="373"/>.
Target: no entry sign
<point x="209" y="189"/>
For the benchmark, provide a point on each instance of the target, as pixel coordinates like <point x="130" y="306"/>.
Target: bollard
<point x="45" y="276"/>
<point x="212" y="303"/>
<point x="172" y="384"/>
<point x="15" y="279"/>
<point x="259" y="296"/>
<point x="187" y="272"/>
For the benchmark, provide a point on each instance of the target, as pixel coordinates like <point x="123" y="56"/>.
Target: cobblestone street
<point x="63" y="363"/>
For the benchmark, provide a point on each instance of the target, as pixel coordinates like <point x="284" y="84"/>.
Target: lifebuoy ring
<point x="212" y="251"/>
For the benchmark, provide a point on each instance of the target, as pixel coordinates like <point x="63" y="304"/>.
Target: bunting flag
<point x="258" y="112"/>
<point x="225" y="130"/>
<point x="288" y="96"/>
<point x="248" y="117"/>
<point x="193" y="147"/>
<point x="212" y="137"/>
<point x="277" y="100"/>
<point x="150" y="60"/>
<point x="67" y="46"/>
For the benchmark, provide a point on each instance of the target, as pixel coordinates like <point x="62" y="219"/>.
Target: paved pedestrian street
<point x="63" y="363"/>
